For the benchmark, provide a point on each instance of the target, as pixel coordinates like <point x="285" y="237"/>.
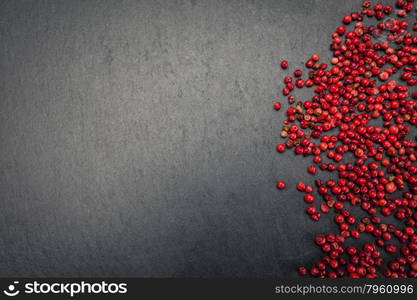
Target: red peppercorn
<point x="309" y="198"/>
<point x="284" y="64"/>
<point x="277" y="105"/>
<point x="339" y="219"/>
<point x="390" y="187"/>
<point x="301" y="186"/>
<point x="311" y="210"/>
<point x="324" y="208"/>
<point x="281" y="185"/>
<point x="298" y="73"/>
<point x="347" y="19"/>
<point x="299" y="83"/>
<point x="391" y="248"/>
<point x="302" y="271"/>
<point x="354" y="234"/>
<point x="308" y="189"/>
<point x="315" y="56"/>
<point x="315" y="217"/>
<point x="320" y="239"/>
<point x="281" y="148"/>
<point x="384" y="76"/>
<point x="312" y="169"/>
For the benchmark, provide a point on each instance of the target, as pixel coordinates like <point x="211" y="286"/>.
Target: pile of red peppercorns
<point x="357" y="126"/>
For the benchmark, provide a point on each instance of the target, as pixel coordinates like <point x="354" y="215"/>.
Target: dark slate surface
<point x="138" y="139"/>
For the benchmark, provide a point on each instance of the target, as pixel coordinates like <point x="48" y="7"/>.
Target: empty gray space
<point x="138" y="138"/>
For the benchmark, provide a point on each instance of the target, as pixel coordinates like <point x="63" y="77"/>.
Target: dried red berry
<point x="390" y="187"/>
<point x="302" y="271"/>
<point x="371" y="164"/>
<point x="298" y="73"/>
<point x="347" y="19"/>
<point x="312" y="169"/>
<point x="301" y="186"/>
<point x="281" y="148"/>
<point x="281" y="185"/>
<point x="277" y="105"/>
<point x="309" y="198"/>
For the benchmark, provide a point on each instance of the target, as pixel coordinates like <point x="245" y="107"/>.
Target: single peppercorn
<point x="298" y="73"/>
<point x="312" y="169"/>
<point x="281" y="185"/>
<point x="277" y="105"/>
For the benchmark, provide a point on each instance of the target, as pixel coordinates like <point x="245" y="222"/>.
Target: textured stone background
<point x="137" y="137"/>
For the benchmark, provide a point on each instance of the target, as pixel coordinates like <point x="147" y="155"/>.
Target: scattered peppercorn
<point x="284" y="64"/>
<point x="281" y="185"/>
<point x="277" y="105"/>
<point x="356" y="87"/>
